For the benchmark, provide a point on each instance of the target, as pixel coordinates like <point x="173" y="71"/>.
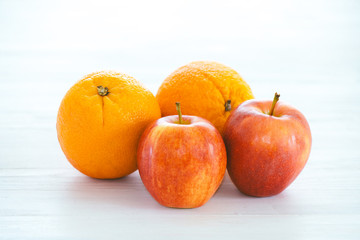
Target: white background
<point x="309" y="51"/>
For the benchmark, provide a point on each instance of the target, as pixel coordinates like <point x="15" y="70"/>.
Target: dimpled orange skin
<point x="99" y="134"/>
<point x="202" y="88"/>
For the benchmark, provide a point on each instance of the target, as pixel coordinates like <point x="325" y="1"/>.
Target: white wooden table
<point x="309" y="52"/>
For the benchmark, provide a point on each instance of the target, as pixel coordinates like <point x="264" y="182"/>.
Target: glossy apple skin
<point x="266" y="153"/>
<point x="181" y="165"/>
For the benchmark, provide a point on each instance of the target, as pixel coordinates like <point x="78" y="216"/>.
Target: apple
<point x="181" y="160"/>
<point x="268" y="144"/>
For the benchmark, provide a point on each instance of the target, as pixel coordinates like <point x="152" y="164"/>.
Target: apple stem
<point x="178" y="109"/>
<point x="276" y="99"/>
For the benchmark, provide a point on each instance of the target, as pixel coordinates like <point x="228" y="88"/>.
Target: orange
<point x="204" y="88"/>
<point x="100" y="121"/>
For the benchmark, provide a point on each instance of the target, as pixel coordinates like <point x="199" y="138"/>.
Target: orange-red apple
<point x="181" y="160"/>
<point x="268" y="144"/>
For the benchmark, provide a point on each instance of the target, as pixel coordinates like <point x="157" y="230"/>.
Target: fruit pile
<point x="109" y="125"/>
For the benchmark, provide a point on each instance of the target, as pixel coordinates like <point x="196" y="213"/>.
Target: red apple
<point x="181" y="160"/>
<point x="268" y="144"/>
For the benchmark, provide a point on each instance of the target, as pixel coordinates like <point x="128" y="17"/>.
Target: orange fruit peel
<point x="100" y="121"/>
<point x="205" y="89"/>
